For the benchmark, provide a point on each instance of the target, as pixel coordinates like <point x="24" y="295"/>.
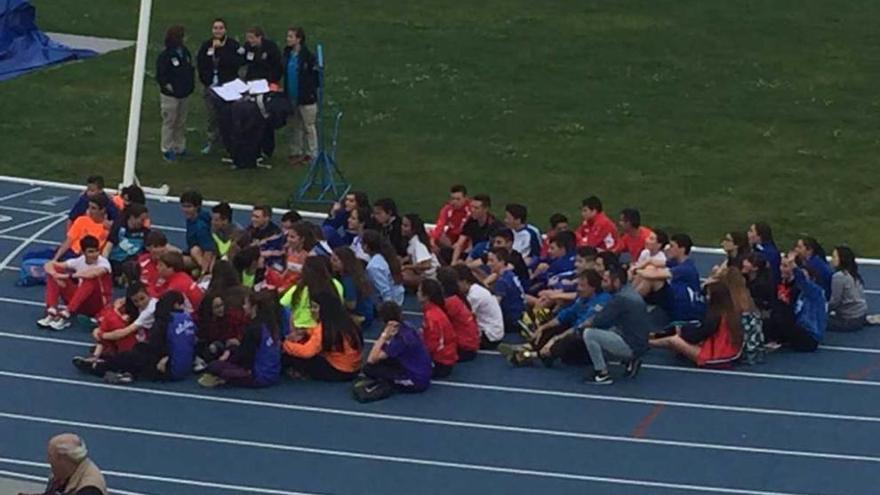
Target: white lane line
<point x="22" y="239"/>
<point x="412" y="460"/>
<point x="32" y="222"/>
<point x="22" y="302"/>
<point x="343" y="412"/>
<point x="20" y="193"/>
<point x="164" y="479"/>
<point x="12" y="254"/>
<point x="34" y="211"/>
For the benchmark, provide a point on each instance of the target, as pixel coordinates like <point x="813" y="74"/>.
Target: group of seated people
<point x="243" y="306"/>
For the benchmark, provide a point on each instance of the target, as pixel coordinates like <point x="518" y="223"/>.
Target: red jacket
<point x="598" y="232"/>
<point x="438" y="335"/>
<point x="717" y="349"/>
<point x="183" y="283"/>
<point x="149" y="274"/>
<point x="450" y="221"/>
<point x="467" y="334"/>
<point x="633" y="245"/>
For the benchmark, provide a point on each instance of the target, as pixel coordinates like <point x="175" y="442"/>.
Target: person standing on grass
<point x="450" y="221"/>
<point x="262" y="58"/>
<point x="175" y="75"/>
<point x="597" y="230"/>
<point x="200" y="248"/>
<point x="761" y="238"/>
<point x="218" y="62"/>
<point x="620" y="329"/>
<point x="85" y="283"/>
<point x="73" y="473"/>
<point x="301" y="86"/>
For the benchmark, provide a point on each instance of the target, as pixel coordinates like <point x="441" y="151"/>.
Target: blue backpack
<point x="31" y="272"/>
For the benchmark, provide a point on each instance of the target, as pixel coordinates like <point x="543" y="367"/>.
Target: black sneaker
<point x="601" y="378"/>
<point x="633" y="367"/>
<point x="83" y="364"/>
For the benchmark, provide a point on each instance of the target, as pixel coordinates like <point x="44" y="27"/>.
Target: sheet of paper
<point x="226" y="94"/>
<point x="236" y="85"/>
<point x="258" y="87"/>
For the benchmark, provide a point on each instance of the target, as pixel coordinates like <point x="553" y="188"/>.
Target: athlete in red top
<point x="633" y="234"/>
<point x="452" y="217"/>
<point x="437" y="331"/>
<point x="597" y="230"/>
<point x="172" y="277"/>
<point x="467" y="335"/>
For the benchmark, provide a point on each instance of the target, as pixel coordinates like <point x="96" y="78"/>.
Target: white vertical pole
<point x="137" y="92"/>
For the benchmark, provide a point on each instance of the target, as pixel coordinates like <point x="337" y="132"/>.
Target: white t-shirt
<point x="418" y="253"/>
<point x="645" y="255"/>
<point x="487" y="311"/>
<point x="147" y="317"/>
<point x="79" y="264"/>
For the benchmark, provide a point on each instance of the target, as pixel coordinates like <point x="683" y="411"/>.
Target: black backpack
<point x="367" y="389"/>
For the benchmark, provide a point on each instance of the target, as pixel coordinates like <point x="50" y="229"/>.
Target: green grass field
<point x="705" y="115"/>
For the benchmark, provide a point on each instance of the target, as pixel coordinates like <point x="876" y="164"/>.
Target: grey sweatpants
<point x="599" y="342"/>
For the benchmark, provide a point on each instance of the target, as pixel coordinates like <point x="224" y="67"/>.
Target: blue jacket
<point x="82" y="204"/>
<point x="181" y="341"/>
<point x="823" y="272"/>
<point x="771" y="254"/>
<point x="267" y="359"/>
<point x="810" y="308"/>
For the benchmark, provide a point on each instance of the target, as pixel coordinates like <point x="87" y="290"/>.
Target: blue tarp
<point x="23" y="47"/>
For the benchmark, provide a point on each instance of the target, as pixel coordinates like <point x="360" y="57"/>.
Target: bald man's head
<point x="66" y="451"/>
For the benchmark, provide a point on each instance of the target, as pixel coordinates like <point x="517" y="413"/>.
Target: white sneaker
<point x="199" y="365"/>
<point x="46" y="321"/>
<point x="873" y="319"/>
<point x="59" y="324"/>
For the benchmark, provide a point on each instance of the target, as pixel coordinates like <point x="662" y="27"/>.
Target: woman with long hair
<point x="750" y="317"/>
<point x="485" y="306"/>
<point x="356" y="289"/>
<point x="761" y="239"/>
<point x="847" y="306"/>
<point x="813" y="254"/>
<point x="316" y="278"/>
<point x="383" y="269"/>
<point x="419" y="261"/>
<point x="718" y="341"/>
<point x="437" y="331"/>
<point x="759" y="280"/>
<point x="257" y="361"/>
<point x="329" y="351"/>
<point x="457" y="308"/>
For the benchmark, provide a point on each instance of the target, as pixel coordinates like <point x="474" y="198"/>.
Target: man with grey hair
<point x="72" y="471"/>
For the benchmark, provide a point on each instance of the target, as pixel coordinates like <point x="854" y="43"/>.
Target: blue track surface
<point x="797" y="424"/>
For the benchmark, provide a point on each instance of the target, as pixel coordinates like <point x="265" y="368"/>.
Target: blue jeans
<point x="599" y="342"/>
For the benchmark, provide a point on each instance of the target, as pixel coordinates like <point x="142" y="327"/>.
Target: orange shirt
<point x="84" y="226"/>
<point x="347" y="361"/>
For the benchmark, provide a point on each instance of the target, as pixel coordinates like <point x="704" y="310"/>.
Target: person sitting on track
<point x="334" y="227"/>
<point x="526" y="237"/>
<point x="388" y="223"/>
<point x="330" y="350"/>
<point x="94" y="223"/>
<point x="620" y="329"/>
<point x="268" y="236"/>
<point x="654" y="254"/>
<point x="220" y="318"/>
<point x="486" y="309"/>
<point x="799" y="316"/>
<point x="173" y="277"/>
<point x="560" y="337"/>
<point x="597" y="230"/>
<point x="223" y="231"/>
<point x="127" y="238"/>
<point x="383" y="269"/>
<point x="257" y="361"/>
<point x="813" y="254"/>
<point x="457" y="308"/>
<point x="633" y="234"/>
<point x="200" y="248"/>
<point x="558" y="223"/>
<point x="558" y="270"/>
<point x="450" y="221"/>
<point x="761" y="239"/>
<point x="718" y="341"/>
<point x="356" y="225"/>
<point x="507" y="288"/>
<point x="847" y="307"/>
<point x="437" y="331"/>
<point x="356" y="288"/>
<point x="476" y="233"/>
<point x="167" y="354"/>
<point x="503" y="239"/>
<point x="94" y="188"/>
<point x="117" y="329"/>
<point x="73" y="473"/>
<point x="676" y="288"/>
<point x="84" y="283"/>
<point x="419" y="262"/>
<point x="398" y="360"/>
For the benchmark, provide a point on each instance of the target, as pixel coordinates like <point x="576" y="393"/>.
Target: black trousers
<point x="317" y="368"/>
<point x="140" y="362"/>
<point x="391" y="371"/>
<point x="783" y="328"/>
<point x="570" y="349"/>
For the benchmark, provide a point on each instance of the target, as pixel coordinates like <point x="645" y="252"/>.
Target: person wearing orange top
<point x="633" y="234"/>
<point x="597" y="230"/>
<point x="467" y="333"/>
<point x="329" y="351"/>
<point x="437" y="331"/>
<point x="94" y="223"/>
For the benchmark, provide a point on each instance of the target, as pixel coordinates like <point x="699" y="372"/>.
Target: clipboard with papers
<point x="235" y="89"/>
